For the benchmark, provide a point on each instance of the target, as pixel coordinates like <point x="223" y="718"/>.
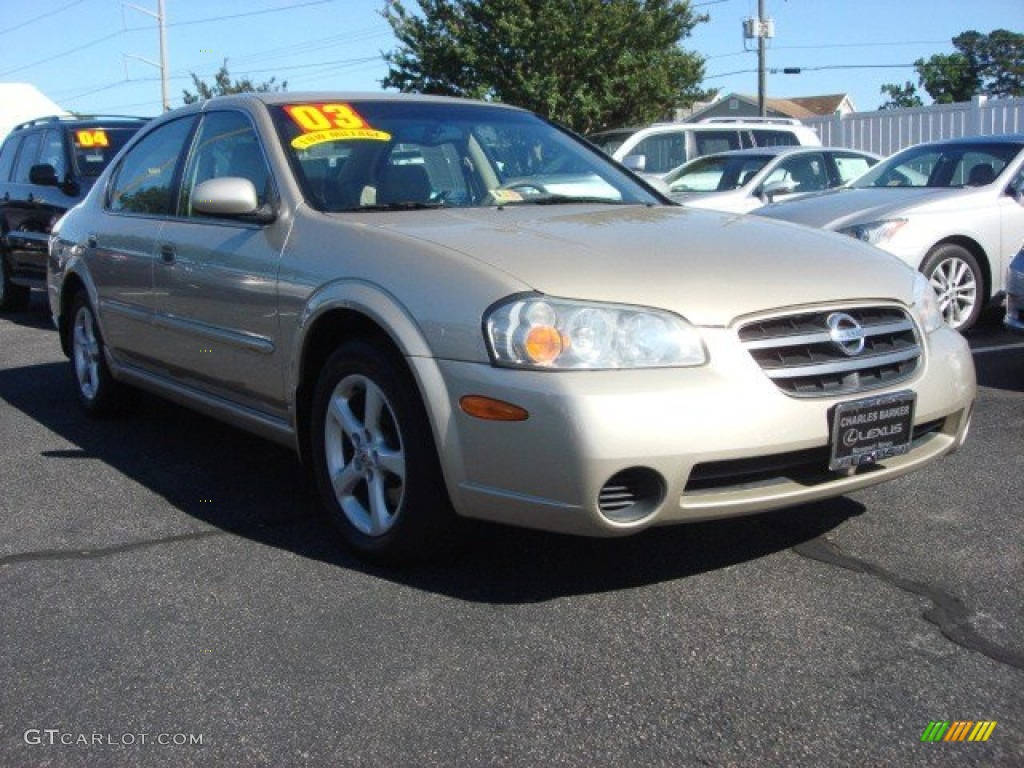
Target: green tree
<point x="901" y="96"/>
<point x="223" y="84"/>
<point x="991" y="64"/>
<point x="589" y="64"/>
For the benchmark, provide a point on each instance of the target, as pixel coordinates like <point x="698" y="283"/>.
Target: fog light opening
<point x="631" y="494"/>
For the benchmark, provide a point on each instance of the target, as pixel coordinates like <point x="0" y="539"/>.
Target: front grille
<point x="808" y="467"/>
<point x="798" y="352"/>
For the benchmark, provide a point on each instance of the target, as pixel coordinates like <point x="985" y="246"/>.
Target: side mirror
<point x="635" y="163"/>
<point x="231" y="197"/>
<point x="43" y="174"/>
<point x="770" y="191"/>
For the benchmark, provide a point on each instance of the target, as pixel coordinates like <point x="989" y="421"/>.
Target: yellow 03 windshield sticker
<point x="330" y="122"/>
<point x="92" y="137"/>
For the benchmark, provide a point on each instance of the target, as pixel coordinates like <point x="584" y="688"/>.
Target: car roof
<point x="785" y="149"/>
<point x="999" y="138"/>
<point x="318" y="97"/>
<point x="79" y="121"/>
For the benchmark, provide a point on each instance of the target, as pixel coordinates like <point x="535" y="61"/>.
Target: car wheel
<point x="93" y="382"/>
<point x="959" y="283"/>
<point x="13" y="298"/>
<point x="374" y="457"/>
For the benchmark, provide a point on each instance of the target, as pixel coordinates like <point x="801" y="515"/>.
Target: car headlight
<point x="875" y="232"/>
<point x="546" y="333"/>
<point x="926" y="304"/>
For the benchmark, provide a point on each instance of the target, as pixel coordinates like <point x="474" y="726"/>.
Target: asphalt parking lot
<point x="172" y="597"/>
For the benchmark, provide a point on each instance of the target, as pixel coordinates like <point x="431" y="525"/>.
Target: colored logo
<point x="958" y="730"/>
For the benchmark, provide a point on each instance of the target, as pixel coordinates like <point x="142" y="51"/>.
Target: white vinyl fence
<point x="888" y="131"/>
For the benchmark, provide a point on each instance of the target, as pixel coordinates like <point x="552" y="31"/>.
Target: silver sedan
<point x="952" y="209"/>
<point x="746" y="179"/>
<point x="454" y="308"/>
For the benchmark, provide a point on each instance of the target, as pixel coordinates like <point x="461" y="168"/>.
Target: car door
<point x="121" y="249"/>
<point x="216" y="277"/>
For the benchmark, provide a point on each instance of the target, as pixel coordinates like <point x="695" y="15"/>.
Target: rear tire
<point x="13" y="298"/>
<point x="959" y="284"/>
<point x="374" y="457"/>
<point x="94" y="384"/>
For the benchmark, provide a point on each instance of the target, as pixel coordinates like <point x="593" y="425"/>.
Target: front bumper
<point x="713" y="436"/>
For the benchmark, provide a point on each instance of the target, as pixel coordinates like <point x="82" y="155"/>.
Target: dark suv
<point x="46" y="167"/>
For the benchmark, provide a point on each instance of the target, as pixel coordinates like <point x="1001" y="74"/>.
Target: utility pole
<point x="760" y="28"/>
<point x="161" y="19"/>
<point x="762" y="76"/>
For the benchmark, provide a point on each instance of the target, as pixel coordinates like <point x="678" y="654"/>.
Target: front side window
<point x="226" y="145"/>
<point x="144" y="180"/>
<point x="806" y="172"/>
<point x="53" y="152"/>
<point x="401" y="155"/>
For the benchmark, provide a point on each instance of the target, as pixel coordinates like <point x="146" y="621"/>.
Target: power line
<point x="40" y="18"/>
<point x="56" y="56"/>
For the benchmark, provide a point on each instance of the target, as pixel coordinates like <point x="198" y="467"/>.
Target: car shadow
<point x="35" y="315"/>
<point x="251" y="487"/>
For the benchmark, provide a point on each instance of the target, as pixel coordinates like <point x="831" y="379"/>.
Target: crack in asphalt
<point x="948" y="612"/>
<point x="91" y="554"/>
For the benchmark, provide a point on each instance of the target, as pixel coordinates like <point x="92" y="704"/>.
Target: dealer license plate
<point x="866" y="431"/>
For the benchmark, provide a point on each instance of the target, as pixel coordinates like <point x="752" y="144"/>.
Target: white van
<point x="659" y="148"/>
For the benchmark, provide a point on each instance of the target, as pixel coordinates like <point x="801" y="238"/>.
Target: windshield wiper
<point x="404" y="205"/>
<point x="563" y="199"/>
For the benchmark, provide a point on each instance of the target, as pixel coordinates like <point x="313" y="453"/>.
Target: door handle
<point x="91" y="241"/>
<point x="167" y="253"/>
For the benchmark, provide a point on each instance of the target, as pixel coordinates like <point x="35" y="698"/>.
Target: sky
<point x="101" y="56"/>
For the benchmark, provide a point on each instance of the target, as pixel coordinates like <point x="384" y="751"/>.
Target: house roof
<point x="821" y="105"/>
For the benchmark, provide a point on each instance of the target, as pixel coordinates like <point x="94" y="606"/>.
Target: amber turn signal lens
<point x="492" y="410"/>
<point x="543" y="344"/>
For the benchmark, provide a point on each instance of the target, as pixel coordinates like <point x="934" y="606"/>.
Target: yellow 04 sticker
<point x="89" y="138"/>
<point x="330" y="122"/>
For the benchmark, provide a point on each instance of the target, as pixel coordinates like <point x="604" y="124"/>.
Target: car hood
<point x="838" y="208"/>
<point x="707" y="266"/>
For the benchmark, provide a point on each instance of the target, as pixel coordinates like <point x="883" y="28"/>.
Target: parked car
<point x="390" y="286"/>
<point x="1015" y="293"/>
<point x="47" y="166"/>
<point x="746" y="179"/>
<point x="659" y="148"/>
<point x="953" y="209"/>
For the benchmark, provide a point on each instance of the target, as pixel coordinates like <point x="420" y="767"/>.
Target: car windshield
<point x="96" y="146"/>
<point x="716" y="173"/>
<point x="941" y="166"/>
<point x="401" y="155"/>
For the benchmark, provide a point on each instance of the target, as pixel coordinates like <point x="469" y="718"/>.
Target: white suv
<point x="659" y="148"/>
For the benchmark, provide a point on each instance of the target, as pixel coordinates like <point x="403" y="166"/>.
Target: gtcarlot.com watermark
<point x="54" y="737"/>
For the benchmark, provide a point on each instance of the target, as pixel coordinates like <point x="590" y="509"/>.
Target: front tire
<point x="959" y="284"/>
<point x="374" y="457"/>
<point x="94" y="384"/>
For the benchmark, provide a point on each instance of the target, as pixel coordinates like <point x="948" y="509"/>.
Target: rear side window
<point x="7" y="153"/>
<point x="144" y="180"/>
<point x="711" y="142"/>
<point x="27" y="157"/>
<point x="769" y="138"/>
<point x="663" y="151"/>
